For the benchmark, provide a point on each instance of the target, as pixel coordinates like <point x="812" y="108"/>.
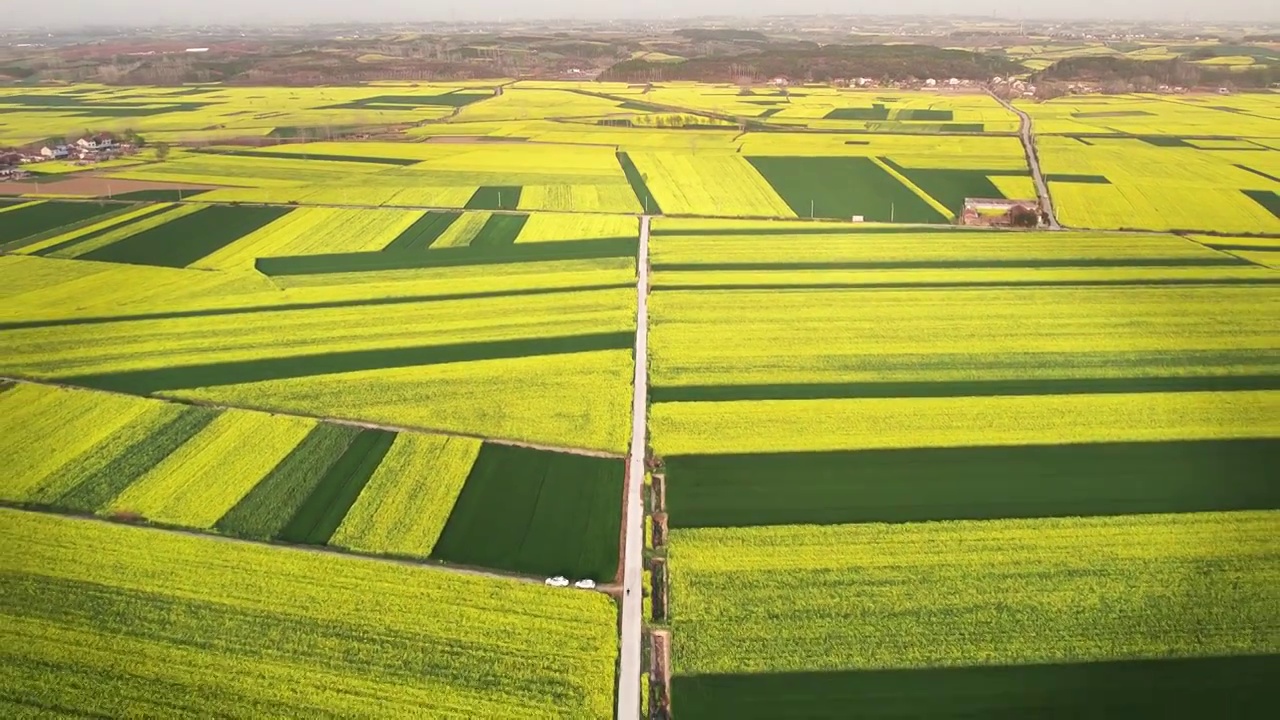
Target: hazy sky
<point x="79" y="12"/>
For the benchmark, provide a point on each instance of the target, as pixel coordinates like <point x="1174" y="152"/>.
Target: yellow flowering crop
<point x="680" y="428"/>
<point x="574" y="400"/>
<point x="202" y="626"/>
<point x="212" y="471"/>
<point x="405" y="505"/>
<point x="1062" y="590"/>
<point x="553" y="227"/>
<point x="708" y="184"/>
<point x="71" y="422"/>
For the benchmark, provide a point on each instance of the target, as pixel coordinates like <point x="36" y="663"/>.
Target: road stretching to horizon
<point x="1027" y="133"/>
<point x="633" y="551"/>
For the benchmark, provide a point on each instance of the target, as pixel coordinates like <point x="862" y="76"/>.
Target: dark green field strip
<point x="424" y="231"/>
<point x="189" y="238"/>
<point x="447" y="257"/>
<point x="638" y="185"/>
<point x="841" y="187"/>
<point x="313" y="156"/>
<point x="158" y="195"/>
<point x="143" y="382"/>
<point x="1259" y="281"/>
<point x="272" y="503"/>
<point x="47" y="251"/>
<point x="876" y="112"/>
<point x="142" y="455"/>
<point x="368" y="302"/>
<point x="320" y="514"/>
<point x="953" y="187"/>
<point x="494" y="197"/>
<point x="1199" y="261"/>
<point x="499" y="231"/>
<point x="1212" y="687"/>
<point x="537" y="512"/>
<point x="972" y="483"/>
<point x="1084" y="179"/>
<point x="1266" y="199"/>
<point x="50" y="215"/>
<point x="963" y="388"/>
<point x="1164" y="141"/>
<point x="926" y="115"/>
<point x="1268" y="176"/>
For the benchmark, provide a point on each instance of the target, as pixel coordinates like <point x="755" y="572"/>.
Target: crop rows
<point x="104" y="618"/>
<point x="270" y="477"/>
<point x="910" y="475"/>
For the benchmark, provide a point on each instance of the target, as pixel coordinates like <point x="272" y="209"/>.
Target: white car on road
<point x="558" y="581"/>
<point x="585" y="584"/>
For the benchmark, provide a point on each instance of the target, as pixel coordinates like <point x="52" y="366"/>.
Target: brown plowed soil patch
<point x="91" y="186"/>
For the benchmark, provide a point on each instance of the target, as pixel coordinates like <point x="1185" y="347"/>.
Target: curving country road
<point x="1029" y="145"/>
<point x="633" y="552"/>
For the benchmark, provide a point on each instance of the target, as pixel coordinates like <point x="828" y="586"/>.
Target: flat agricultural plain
<point x="297" y="425"/>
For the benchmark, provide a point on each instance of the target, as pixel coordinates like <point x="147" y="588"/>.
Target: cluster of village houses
<point x="87" y="150"/>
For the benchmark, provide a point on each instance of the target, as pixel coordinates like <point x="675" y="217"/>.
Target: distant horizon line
<point x="1269" y="26"/>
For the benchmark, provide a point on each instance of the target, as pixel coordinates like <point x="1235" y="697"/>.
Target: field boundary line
<point x="423" y="563"/>
<point x="348" y="422"/>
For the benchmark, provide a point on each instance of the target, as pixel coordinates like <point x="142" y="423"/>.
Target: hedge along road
<point x="633" y="552"/>
<point x="1029" y="143"/>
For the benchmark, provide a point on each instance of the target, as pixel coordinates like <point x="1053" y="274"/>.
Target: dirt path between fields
<point x="91" y="186"/>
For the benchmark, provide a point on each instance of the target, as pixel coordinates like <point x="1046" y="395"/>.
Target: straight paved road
<point x="633" y="552"/>
<point x="1029" y="144"/>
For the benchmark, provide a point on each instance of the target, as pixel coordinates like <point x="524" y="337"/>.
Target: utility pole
<point x="892" y="207"/>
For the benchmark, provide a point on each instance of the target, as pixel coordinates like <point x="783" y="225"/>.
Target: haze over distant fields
<point x="256" y="12"/>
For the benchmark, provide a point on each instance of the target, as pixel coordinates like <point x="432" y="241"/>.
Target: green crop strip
<point x="143" y="382"/>
<point x="47" y="251"/>
<point x="23" y="222"/>
<point x="953" y="187"/>
<point x="369" y="302"/>
<point x="537" y="512"/>
<point x="185" y="240"/>
<point x="447" y="257"/>
<point x="967" y="388"/>
<point x="842" y="187"/>
<point x="321" y="513"/>
<point x="269" y="507"/>
<point x="494" y="197"/>
<point x="638" y="185"/>
<point x="1239" y="687"/>
<point x="145" y="453"/>
<point x="972" y="483"/>
<point x="424" y="231"/>
<point x="499" y="231"/>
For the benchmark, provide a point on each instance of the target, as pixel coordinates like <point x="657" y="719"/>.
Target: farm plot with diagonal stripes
<point x="873" y="439"/>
